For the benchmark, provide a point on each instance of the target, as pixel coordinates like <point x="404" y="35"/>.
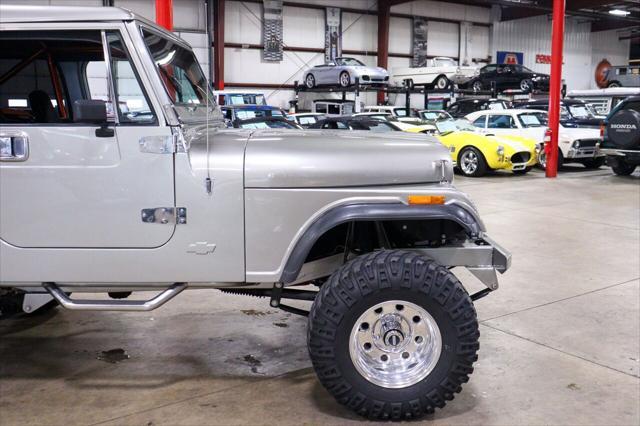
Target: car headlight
<point x="500" y="151"/>
<point x="575" y="144"/>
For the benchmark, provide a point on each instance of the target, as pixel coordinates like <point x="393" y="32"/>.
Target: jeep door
<point x="84" y="180"/>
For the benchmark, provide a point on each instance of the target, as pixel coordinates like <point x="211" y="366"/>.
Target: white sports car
<point x="343" y="72"/>
<point x="575" y="144"/>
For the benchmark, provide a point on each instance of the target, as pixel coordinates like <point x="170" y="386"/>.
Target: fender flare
<point x="374" y="212"/>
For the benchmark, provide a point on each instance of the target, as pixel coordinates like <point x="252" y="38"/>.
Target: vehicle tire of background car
<point x="613" y="84"/>
<point x="622" y="169"/>
<point x="526" y="85"/>
<point x="523" y="171"/>
<point x="10" y="304"/>
<point x="409" y="83"/>
<point x="481" y="165"/>
<point x="310" y="81"/>
<point x="476" y="86"/>
<point x="390" y="279"/>
<point x="594" y="163"/>
<point x="345" y="79"/>
<point x="542" y="160"/>
<point x="441" y="83"/>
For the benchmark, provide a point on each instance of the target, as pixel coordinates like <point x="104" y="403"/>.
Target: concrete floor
<point x="560" y="339"/>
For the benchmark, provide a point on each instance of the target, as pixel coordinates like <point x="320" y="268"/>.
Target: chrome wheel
<point x="469" y="162"/>
<point x="310" y="81"/>
<point x="395" y="344"/>
<point x="525" y="85"/>
<point x="477" y="86"/>
<point x="345" y="80"/>
<point x="441" y="83"/>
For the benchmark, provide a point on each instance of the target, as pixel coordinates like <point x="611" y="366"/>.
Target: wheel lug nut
<point x="367" y="346"/>
<point x="384" y="358"/>
<point x="419" y="339"/>
<point x="416" y="319"/>
<point x="405" y="355"/>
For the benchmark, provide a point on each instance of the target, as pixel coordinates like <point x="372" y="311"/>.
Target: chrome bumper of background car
<point x="583" y="153"/>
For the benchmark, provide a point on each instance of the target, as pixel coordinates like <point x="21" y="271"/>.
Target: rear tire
<point x="441" y="83"/>
<point x="526" y="85"/>
<point x="310" y="81"/>
<point x="477" y="86"/>
<point x="622" y="169"/>
<point x="424" y="307"/>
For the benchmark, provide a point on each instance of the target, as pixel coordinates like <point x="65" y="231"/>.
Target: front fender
<point x="374" y="212"/>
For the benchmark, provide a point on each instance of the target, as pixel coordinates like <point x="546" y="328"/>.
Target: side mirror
<point x="93" y="112"/>
<point x="90" y="111"/>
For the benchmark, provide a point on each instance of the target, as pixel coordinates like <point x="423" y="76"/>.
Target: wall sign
<point x="513" y="58"/>
<point x="543" y="59"/>
<point x="272" y="30"/>
<point x="332" y="33"/>
<point x="419" y="43"/>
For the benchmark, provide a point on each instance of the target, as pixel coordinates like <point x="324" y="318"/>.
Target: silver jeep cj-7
<point x="118" y="175"/>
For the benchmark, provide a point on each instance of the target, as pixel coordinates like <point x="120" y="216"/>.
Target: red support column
<point x="164" y="13"/>
<point x="557" y="37"/>
<point x="218" y="44"/>
<point x="384" y="13"/>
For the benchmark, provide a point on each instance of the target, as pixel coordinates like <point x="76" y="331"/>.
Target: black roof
<point x="545" y="101"/>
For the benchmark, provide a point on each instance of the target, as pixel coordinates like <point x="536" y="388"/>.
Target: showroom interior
<point x="319" y="212"/>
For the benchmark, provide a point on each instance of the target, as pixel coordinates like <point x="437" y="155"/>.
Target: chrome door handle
<point x="14" y="146"/>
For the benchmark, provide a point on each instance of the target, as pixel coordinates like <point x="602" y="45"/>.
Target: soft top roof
<point x="15" y="13"/>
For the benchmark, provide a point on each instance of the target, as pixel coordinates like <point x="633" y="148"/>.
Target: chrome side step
<point x="114" y="305"/>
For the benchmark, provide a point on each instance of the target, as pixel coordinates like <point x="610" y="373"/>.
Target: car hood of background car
<point x="516" y="143"/>
<point x="339" y="158"/>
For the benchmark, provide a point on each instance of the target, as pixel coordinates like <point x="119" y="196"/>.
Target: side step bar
<point x="114" y="305"/>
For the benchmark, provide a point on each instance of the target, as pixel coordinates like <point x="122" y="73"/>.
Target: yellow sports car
<point x="475" y="154"/>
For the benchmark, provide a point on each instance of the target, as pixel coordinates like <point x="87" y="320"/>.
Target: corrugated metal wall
<point x="532" y="36"/>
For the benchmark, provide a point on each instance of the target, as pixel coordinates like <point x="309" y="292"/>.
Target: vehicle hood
<point x="575" y="133"/>
<point x="511" y="143"/>
<point x="339" y="158"/>
<point x="517" y="143"/>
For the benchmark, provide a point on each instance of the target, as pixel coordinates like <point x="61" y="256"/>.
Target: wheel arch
<point x="372" y="212"/>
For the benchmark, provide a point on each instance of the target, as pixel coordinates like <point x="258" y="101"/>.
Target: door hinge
<point x="165" y="215"/>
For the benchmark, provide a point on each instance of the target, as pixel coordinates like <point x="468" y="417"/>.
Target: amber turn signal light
<point x="425" y="199"/>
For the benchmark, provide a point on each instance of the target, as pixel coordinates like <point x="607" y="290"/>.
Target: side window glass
<point x="42" y="74"/>
<point x="480" y="122"/>
<point x="501" y="122"/>
<point x="131" y="100"/>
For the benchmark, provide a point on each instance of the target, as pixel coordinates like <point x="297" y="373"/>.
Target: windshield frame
<point x="191" y="113"/>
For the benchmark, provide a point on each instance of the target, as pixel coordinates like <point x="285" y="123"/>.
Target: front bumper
<point x="482" y="257"/>
<point x="460" y="79"/>
<point x="372" y="78"/>
<point x="587" y="149"/>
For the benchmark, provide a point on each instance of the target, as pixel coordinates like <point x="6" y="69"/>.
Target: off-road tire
<point x="622" y="169"/>
<point x="382" y="276"/>
<point x="594" y="163"/>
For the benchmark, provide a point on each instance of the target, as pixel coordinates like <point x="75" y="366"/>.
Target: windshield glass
<point x="269" y="124"/>
<point x="444" y="62"/>
<point x="244" y="99"/>
<point x="580" y="111"/>
<point x="533" y="119"/>
<point x="180" y="73"/>
<point x="434" y="115"/>
<point x="446" y="126"/>
<point x="349" y="62"/>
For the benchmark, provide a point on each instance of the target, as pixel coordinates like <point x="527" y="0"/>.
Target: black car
<point x="355" y="123"/>
<point x="509" y="76"/>
<point x="573" y="112"/>
<point x="621" y="138"/>
<point x="465" y="106"/>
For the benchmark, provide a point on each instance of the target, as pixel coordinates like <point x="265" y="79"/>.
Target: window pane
<point x="45" y="72"/>
<point x="500" y="122"/>
<point x="133" y="106"/>
<point x="480" y="122"/>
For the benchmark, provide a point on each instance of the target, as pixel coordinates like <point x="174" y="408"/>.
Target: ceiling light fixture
<point x="619" y="12"/>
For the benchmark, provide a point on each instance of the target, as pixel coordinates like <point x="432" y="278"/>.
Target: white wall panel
<point x="359" y="32"/>
<point x="533" y="36"/>
<point x="242" y="22"/>
<point x="442" y="39"/>
<point x="400" y="35"/>
<point x="303" y="27"/>
<point x="189" y="14"/>
<point x="480" y="42"/>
